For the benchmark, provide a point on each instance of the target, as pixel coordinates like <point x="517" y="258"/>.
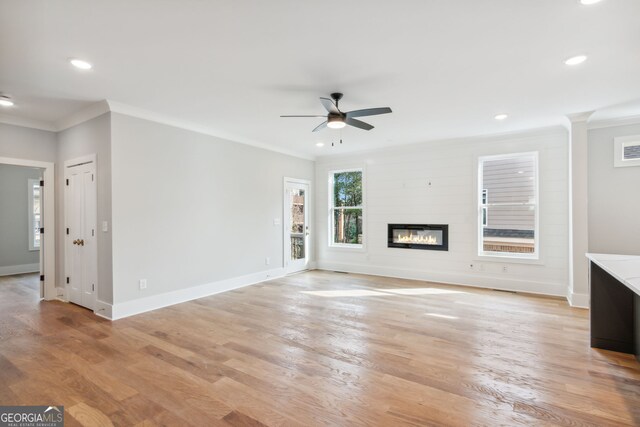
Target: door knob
<point x="81" y="242"/>
<point x="75" y="242"/>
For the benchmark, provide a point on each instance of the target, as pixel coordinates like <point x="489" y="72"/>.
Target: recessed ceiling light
<point x="575" y="60"/>
<point x="79" y="63"/>
<point x="589" y="2"/>
<point x="5" y="101"/>
<point x="500" y="116"/>
<point x="320" y="144"/>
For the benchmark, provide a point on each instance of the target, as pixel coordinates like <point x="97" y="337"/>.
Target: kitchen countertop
<point x="625" y="268"/>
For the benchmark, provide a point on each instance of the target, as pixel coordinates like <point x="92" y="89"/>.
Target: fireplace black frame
<point x="420" y="227"/>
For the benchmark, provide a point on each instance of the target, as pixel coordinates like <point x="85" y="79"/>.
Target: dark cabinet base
<point x="615" y="314"/>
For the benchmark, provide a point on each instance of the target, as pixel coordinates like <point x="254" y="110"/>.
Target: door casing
<point x="48" y="247"/>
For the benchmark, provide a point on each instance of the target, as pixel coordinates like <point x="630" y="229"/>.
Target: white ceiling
<point x="232" y="67"/>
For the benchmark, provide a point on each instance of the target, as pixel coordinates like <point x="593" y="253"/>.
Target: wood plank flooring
<point x="317" y="349"/>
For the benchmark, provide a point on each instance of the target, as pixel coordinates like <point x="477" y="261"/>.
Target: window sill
<point x="355" y="248"/>
<point x="509" y="259"/>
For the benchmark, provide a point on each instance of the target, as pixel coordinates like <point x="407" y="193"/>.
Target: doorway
<point x="39" y="228"/>
<point x="296" y="225"/>
<point x="80" y="231"/>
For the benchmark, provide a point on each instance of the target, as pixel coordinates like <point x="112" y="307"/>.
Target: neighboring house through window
<point x="508" y="205"/>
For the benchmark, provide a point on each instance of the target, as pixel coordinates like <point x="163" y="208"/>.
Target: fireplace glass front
<point x="419" y="236"/>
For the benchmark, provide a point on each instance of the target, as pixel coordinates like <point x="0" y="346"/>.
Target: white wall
<point x="191" y="209"/>
<point x="25" y="143"/>
<point x="90" y="137"/>
<point x="614" y="196"/>
<point x="397" y="190"/>
<point x="14" y="220"/>
<point x="20" y="142"/>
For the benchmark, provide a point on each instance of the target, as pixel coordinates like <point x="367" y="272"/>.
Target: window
<point x="34" y="218"/>
<point x="626" y="151"/>
<point x="508" y="205"/>
<point x="345" y="208"/>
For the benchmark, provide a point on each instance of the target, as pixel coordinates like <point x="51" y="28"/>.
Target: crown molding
<point x="616" y="121"/>
<point x="580" y="117"/>
<point x="27" y="123"/>
<point x="82" y="115"/>
<point x="128" y="110"/>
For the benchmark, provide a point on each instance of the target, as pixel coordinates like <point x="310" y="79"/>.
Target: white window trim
<point x="30" y="184"/>
<point x="535" y="256"/>
<point x="330" y="228"/>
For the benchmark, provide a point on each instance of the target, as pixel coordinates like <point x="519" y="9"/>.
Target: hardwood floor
<point x="316" y="349"/>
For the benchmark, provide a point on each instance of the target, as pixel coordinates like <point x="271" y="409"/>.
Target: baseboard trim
<point x="578" y="300"/>
<point x="104" y="309"/>
<point x="485" y="282"/>
<point x="143" y="305"/>
<point x="19" y="269"/>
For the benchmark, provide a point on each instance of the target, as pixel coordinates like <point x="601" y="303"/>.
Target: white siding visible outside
<point x="510" y="180"/>
<point x="509" y="202"/>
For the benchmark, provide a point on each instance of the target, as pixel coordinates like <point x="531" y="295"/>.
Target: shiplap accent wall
<point x="436" y="183"/>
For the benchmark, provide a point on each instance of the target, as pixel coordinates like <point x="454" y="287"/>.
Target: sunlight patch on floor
<point x="442" y="316"/>
<point x="346" y="293"/>
<point x="420" y="291"/>
<point x="381" y="292"/>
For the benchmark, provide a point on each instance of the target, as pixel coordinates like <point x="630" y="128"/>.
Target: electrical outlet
<point x="504" y="269"/>
<point x="267" y="261"/>
<point x="143" y="284"/>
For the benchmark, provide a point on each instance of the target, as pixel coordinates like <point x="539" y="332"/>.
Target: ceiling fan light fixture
<point x="336" y="122"/>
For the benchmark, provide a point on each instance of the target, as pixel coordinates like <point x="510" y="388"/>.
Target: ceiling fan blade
<point x="329" y="105"/>
<point x="358" y="124"/>
<point x="320" y="127"/>
<point x="369" y="112"/>
<point x="305" y="116"/>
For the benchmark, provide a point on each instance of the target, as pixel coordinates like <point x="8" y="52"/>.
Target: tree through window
<point x="346" y="207"/>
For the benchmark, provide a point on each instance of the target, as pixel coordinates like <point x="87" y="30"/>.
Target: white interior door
<point x="80" y="233"/>
<point x="296" y="225"/>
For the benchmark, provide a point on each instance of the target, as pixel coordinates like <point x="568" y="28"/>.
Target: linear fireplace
<point x="433" y="237"/>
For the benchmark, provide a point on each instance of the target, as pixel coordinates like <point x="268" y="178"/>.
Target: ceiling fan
<point x="336" y="119"/>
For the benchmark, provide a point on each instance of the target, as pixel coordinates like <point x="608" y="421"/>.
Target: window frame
<point x="31" y="183"/>
<point x="484" y="219"/>
<point x="535" y="255"/>
<point x="362" y="207"/>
